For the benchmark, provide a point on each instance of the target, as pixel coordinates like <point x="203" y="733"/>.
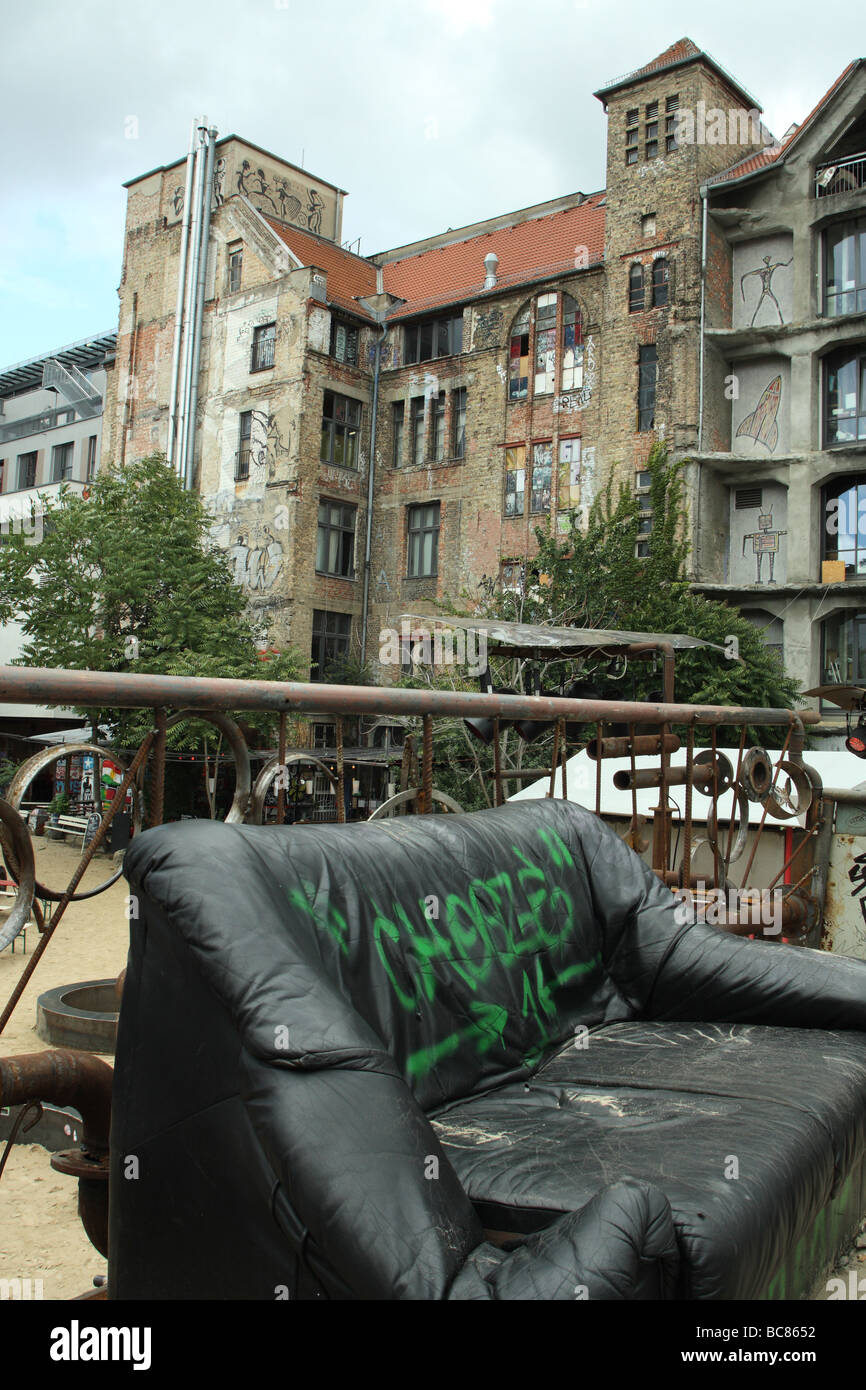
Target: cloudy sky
<point x="432" y="113"/>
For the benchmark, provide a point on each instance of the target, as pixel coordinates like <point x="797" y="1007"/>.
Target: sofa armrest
<point x="370" y="1202"/>
<point x="670" y="969"/>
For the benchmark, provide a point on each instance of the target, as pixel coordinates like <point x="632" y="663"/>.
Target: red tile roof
<point x="677" y="53"/>
<point x="754" y="163"/>
<point x="527" y="251"/>
<point x="348" y="275"/>
<point x="530" y="250"/>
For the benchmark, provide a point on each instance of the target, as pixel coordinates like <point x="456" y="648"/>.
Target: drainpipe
<point x="198" y="312"/>
<point x="383" y="329"/>
<point x="178" y="312"/>
<point x="191" y="282"/>
<point x="703" y="192"/>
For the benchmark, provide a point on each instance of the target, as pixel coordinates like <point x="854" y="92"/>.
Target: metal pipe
<point x="181" y="284"/>
<point x="63" y="1078"/>
<point x="125" y="690"/>
<point x="198" y="310"/>
<point x="368" y="544"/>
<point x="704" y="205"/>
<point x="191" y="281"/>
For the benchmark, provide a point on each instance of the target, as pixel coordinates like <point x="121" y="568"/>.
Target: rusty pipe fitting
<point x="64" y="1078"/>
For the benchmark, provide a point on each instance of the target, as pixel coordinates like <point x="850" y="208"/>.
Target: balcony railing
<point x="844" y="176"/>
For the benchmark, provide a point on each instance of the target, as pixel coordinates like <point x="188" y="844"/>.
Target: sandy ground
<point x="41" y="1236"/>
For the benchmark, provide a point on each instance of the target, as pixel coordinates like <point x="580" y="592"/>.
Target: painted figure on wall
<point x="761" y="424"/>
<point x="256" y="567"/>
<point x="254" y="185"/>
<point x="290" y="206"/>
<point x="177" y="200"/>
<point x="765" y="273"/>
<point x="314" y="212"/>
<point x="765" y="541"/>
<point x="219" y="175"/>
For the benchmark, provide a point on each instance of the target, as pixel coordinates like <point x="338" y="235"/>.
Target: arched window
<point x="518" y="364"/>
<point x="572" y="344"/>
<point x="545" y="344"/>
<point x="635" y="289"/>
<point x="660" y="282"/>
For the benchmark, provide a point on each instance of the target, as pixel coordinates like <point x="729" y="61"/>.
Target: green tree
<point x="129" y="580"/>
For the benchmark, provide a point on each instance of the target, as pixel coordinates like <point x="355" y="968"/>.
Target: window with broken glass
<point x="542" y="469"/>
<point x="439" y="427"/>
<point x="572" y="345"/>
<point x="331" y="637"/>
<point x="515" y="479"/>
<point x="397" y="414"/>
<point x="518" y="365"/>
<point x="341" y="425"/>
<point x="242" y="468"/>
<point x="344" y="342"/>
<point x="460" y="422"/>
<point x="660" y="282"/>
<point x="545" y="344"/>
<point x="416" y="426"/>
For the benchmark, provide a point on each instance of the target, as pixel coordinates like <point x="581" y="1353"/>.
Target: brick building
<point x="376" y="434"/>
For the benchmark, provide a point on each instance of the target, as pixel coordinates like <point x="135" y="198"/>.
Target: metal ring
<point x="756" y="774"/>
<point x="22" y="849"/>
<point x="411" y="794"/>
<point x="266" y="776"/>
<point x="21" y="781"/>
<point x="742" y="805"/>
<point x="238" y="744"/>
<point x="723" y="765"/>
<point x="802" y="786"/>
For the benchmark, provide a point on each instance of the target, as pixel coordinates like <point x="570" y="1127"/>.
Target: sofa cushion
<point x="749" y="1131"/>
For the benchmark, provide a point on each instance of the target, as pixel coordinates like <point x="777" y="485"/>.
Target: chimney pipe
<point x="491" y="261"/>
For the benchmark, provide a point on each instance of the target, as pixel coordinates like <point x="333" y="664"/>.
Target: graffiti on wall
<point x="570" y="401"/>
<point x="765" y="541"/>
<point x="765" y="273"/>
<point x="257" y="558"/>
<point x="267" y="446"/>
<point x="761" y="424"/>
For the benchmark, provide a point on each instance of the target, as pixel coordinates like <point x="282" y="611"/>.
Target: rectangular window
<point x="27" y="470"/>
<point x="518" y="367"/>
<point x="515" y="480"/>
<point x="572" y="345"/>
<point x="651" y="131"/>
<point x="569" y="473"/>
<point x="90" y="471"/>
<point x="344" y="342"/>
<point x="236" y="262"/>
<point x="631" y="135"/>
<point x="331" y="636"/>
<point x="61" y="462"/>
<point x="242" y="465"/>
<point x="397" y="413"/>
<point x="341" y="426"/>
<point x="423" y="536"/>
<point x="542" y="467"/>
<point x="416" y="424"/>
<point x="545" y="344"/>
<point x="335" y="543"/>
<point x="439" y="427"/>
<point x="646" y="389"/>
<point x="264" y="341"/>
<point x="431" y="338"/>
<point x="845" y="268"/>
<point x="459" y="404"/>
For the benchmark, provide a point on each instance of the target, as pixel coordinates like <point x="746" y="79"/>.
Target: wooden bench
<point x="72" y="825"/>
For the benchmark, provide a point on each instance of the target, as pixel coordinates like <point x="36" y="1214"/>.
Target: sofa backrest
<point x="466" y="947"/>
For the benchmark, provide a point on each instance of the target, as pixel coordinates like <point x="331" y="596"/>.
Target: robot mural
<point x="765" y="541"/>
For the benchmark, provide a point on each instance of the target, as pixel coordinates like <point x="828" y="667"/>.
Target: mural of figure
<point x="765" y="273"/>
<point x="264" y="563"/>
<point x="177" y="200"/>
<point x="290" y="206"/>
<point x="238" y="557"/>
<point x="315" y="209"/>
<point x="255" y="187"/>
<point x="219" y="175"/>
<point x="765" y="541"/>
<point x="761" y="424"/>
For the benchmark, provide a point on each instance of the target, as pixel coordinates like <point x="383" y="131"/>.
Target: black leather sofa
<point x="469" y="1057"/>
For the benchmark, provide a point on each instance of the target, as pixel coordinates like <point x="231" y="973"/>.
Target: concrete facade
<point x="523" y="362"/>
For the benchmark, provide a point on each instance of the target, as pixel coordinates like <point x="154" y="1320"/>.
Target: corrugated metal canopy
<point x="526" y="639"/>
<point x="22" y="376"/>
